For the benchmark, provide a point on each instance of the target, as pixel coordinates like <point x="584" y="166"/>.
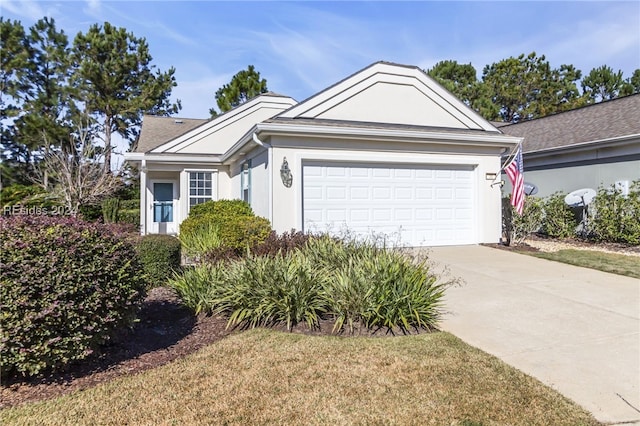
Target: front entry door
<point x="163" y="208"/>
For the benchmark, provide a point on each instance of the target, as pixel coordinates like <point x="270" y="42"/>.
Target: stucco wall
<point x="287" y="211"/>
<point x="259" y="181"/>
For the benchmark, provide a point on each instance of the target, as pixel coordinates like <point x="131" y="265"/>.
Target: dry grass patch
<point x="268" y="377"/>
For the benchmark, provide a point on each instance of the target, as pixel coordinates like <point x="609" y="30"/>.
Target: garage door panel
<point x="336" y="193"/>
<point x="402" y="173"/>
<point x="424" y="193"/>
<point x="403" y="193"/>
<point x="403" y="214"/>
<point x="359" y="173"/>
<point x="380" y="193"/>
<point x="359" y="216"/>
<point x="420" y="205"/>
<point x="444" y="194"/>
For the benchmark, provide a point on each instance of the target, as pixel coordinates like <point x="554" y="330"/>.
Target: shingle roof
<point x="159" y="130"/>
<point x="604" y="120"/>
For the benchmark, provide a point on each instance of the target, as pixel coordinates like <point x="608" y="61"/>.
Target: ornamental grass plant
<point x="348" y="282"/>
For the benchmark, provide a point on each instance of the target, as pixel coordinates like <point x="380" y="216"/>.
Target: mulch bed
<point x="166" y="331"/>
<point x="573" y="242"/>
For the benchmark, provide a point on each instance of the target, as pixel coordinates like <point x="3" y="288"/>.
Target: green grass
<point x="608" y="262"/>
<point x="265" y="377"/>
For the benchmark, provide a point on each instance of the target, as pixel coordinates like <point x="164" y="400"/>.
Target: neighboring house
<point x="589" y="147"/>
<point x="386" y="150"/>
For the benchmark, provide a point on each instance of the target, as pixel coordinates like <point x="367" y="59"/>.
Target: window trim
<point x="214" y="190"/>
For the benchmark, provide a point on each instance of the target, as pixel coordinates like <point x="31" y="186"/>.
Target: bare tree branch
<point x="77" y="175"/>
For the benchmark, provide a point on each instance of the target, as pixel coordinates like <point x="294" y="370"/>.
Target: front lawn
<point x="608" y="262"/>
<point x="269" y="377"/>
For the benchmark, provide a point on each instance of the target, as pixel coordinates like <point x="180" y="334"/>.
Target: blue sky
<point x="303" y="47"/>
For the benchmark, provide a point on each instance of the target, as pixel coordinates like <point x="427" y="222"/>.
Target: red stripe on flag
<point x="515" y="171"/>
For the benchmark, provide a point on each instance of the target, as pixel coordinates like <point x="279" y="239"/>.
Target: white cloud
<point x="93" y="8"/>
<point x="25" y="9"/>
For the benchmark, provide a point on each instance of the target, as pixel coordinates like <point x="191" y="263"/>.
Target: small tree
<point x="77" y="173"/>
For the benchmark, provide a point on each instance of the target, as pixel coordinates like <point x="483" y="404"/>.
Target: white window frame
<point x="214" y="187"/>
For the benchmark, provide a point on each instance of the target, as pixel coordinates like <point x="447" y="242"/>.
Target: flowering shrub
<point x="65" y="286"/>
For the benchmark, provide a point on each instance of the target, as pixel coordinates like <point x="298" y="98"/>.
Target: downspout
<point x="269" y="172"/>
<point x="143" y="197"/>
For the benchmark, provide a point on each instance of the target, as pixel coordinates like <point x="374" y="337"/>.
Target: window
<point x="245" y="184"/>
<point x="200" y="187"/>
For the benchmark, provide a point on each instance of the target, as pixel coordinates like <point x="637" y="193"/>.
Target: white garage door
<point x="417" y="205"/>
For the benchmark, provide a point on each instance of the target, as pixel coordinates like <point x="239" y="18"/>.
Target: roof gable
<point x="393" y="94"/>
<point x="603" y="121"/>
<point x="223" y="131"/>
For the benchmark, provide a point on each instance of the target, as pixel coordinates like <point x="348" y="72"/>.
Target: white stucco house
<point x="386" y="150"/>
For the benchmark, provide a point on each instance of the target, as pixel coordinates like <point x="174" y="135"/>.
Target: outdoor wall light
<point x="285" y="174"/>
<point x="490" y="176"/>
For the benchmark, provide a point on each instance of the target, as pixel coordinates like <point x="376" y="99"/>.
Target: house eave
<point x="417" y="136"/>
<point x="585" y="146"/>
<point x="138" y="157"/>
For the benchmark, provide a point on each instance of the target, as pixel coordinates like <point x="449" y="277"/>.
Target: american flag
<point x="515" y="171"/>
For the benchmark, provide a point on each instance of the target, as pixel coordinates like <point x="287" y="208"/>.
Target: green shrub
<point x="91" y="212"/>
<point x="130" y="204"/>
<point x="272" y="290"/>
<point x="516" y="228"/>
<point x="352" y="282"/>
<point x="614" y="217"/>
<point x="242" y="233"/>
<point x="558" y="220"/>
<point x="65" y="286"/>
<point x="131" y="217"/>
<point x="160" y="257"/>
<point x="198" y="286"/>
<point x="110" y="209"/>
<point x="28" y="196"/>
<point x="202" y="239"/>
<point x="375" y="286"/>
<point x="281" y="243"/>
<point x="222" y="208"/>
<point x="129" y="212"/>
<point x="234" y="220"/>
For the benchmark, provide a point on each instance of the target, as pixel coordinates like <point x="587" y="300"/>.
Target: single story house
<point x="589" y="147"/>
<point x="386" y="150"/>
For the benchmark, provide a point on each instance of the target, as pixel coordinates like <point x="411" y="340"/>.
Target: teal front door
<point x="163" y="214"/>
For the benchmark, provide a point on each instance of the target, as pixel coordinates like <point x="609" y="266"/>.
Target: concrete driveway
<point x="575" y="329"/>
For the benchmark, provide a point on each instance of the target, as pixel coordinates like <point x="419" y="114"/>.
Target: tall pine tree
<point x="117" y="82"/>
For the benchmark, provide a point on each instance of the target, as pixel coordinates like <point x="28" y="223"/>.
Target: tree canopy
<point x="117" y="82"/>
<point x="527" y="86"/>
<point x="52" y="91"/>
<point x="245" y="85"/>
